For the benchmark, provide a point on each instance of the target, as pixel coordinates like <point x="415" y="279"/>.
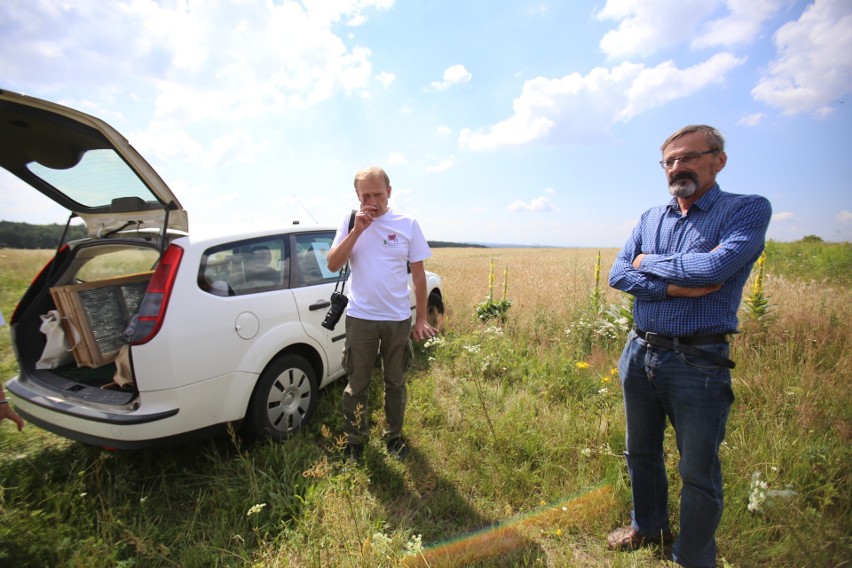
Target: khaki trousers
<point x="364" y="339"/>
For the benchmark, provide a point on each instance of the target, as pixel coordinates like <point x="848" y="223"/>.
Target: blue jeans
<point x="696" y="396"/>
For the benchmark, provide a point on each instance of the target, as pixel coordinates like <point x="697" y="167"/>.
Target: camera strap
<point x="341" y="278"/>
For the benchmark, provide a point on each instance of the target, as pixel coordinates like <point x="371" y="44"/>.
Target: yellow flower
<point x="582" y="365"/>
<point x="606" y="379"/>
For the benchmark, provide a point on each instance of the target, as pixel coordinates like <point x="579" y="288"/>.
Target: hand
<point x="676" y="291"/>
<point x="7" y="412"/>
<point x="364" y="217"/>
<point x="638" y="260"/>
<point x="423" y="331"/>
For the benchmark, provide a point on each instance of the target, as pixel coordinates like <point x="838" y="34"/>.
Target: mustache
<point x="683" y="176"/>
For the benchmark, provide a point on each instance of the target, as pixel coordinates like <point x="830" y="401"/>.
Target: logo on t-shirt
<point x="392" y="240"/>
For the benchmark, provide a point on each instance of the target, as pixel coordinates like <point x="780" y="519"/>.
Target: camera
<point x="338" y="304"/>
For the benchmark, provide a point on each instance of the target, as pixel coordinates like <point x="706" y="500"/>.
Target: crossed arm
<point x="651" y="276"/>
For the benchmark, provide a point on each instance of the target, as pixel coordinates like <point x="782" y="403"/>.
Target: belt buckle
<point x="649" y="336"/>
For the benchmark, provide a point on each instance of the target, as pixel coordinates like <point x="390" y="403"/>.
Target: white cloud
<point x="206" y="59"/>
<point x="646" y="27"/>
<point x="741" y="26"/>
<point x="397" y="158"/>
<point x="813" y="67"/>
<point x="385" y="78"/>
<point x="844" y="216"/>
<point x="441" y="166"/>
<point x="542" y="203"/>
<point x="444" y="130"/>
<point x="454" y="75"/>
<point x="649" y="26"/>
<point x="751" y="119"/>
<point x="578" y="108"/>
<point x="782" y="216"/>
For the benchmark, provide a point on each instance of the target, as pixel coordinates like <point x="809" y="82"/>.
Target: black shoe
<point x="354" y="453"/>
<point x="398" y="447"/>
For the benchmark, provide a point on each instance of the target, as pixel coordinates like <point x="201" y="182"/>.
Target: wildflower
<point x="414" y="546"/>
<point x="381" y="543"/>
<point x="255" y="509"/>
<point x="758" y="493"/>
<point x="433" y="342"/>
<point x="142" y="500"/>
<point x="606" y="379"/>
<point x="586" y="452"/>
<point x="603" y="391"/>
<point x="761" y="495"/>
<point x="471" y="348"/>
<point x="582" y="365"/>
<point x="558" y="532"/>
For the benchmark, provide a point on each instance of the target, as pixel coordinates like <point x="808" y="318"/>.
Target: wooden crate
<point x="99" y="312"/>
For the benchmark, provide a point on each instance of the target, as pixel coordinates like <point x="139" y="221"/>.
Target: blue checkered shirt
<point x="718" y="240"/>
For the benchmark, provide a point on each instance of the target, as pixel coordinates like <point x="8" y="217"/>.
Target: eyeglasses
<point x="684" y="160"/>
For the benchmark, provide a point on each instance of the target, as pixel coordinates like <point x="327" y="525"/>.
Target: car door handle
<point x="320" y="304"/>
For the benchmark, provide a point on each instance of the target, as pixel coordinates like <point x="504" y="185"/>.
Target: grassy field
<point x="517" y="431"/>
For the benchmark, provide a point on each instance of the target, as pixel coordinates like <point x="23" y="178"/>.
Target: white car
<point x="174" y="336"/>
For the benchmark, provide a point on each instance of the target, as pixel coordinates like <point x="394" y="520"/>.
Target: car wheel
<point x="435" y="311"/>
<point x="284" y="399"/>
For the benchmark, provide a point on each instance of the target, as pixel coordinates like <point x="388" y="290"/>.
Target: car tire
<point x="435" y="311"/>
<point x="284" y="399"/>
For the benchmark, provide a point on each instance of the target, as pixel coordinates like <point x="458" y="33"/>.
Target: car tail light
<point x="152" y="310"/>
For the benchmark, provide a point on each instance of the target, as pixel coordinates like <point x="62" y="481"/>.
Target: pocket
<point x="700" y="363"/>
<point x="346" y="360"/>
<point x="407" y="356"/>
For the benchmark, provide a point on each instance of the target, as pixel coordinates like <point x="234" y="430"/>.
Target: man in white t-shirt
<point x="379" y="248"/>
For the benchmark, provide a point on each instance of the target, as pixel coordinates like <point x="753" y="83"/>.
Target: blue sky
<point x="527" y="122"/>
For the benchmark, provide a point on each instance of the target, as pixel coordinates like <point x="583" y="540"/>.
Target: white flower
<point x="255" y="509"/>
<point x="414" y="545"/>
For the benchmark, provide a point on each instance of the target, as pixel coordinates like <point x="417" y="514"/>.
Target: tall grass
<point x="517" y="433"/>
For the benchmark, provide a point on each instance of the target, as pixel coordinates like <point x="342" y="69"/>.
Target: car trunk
<point x="106" y="281"/>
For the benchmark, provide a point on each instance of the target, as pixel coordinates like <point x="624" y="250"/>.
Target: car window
<point x="119" y="262"/>
<point x="96" y="179"/>
<point x="245" y="267"/>
<point x="310" y="264"/>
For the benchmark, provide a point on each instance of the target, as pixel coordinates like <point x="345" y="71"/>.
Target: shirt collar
<point x="704" y="202"/>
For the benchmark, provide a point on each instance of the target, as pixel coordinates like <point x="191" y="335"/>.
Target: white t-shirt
<point x="378" y="287"/>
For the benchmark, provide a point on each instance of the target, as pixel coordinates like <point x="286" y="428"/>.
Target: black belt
<point x="685" y="345"/>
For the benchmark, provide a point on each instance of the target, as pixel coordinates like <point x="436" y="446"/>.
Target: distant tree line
<point x="27" y="236"/>
<point x="443" y="244"/>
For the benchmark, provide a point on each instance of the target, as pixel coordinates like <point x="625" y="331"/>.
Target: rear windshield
<point x="99" y="177"/>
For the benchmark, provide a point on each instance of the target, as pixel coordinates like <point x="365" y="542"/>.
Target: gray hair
<point x="714" y="137"/>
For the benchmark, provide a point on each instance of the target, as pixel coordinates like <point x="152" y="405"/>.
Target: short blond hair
<point x="371" y="172"/>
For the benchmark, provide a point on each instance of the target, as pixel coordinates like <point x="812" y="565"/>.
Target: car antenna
<point x="305" y="208"/>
